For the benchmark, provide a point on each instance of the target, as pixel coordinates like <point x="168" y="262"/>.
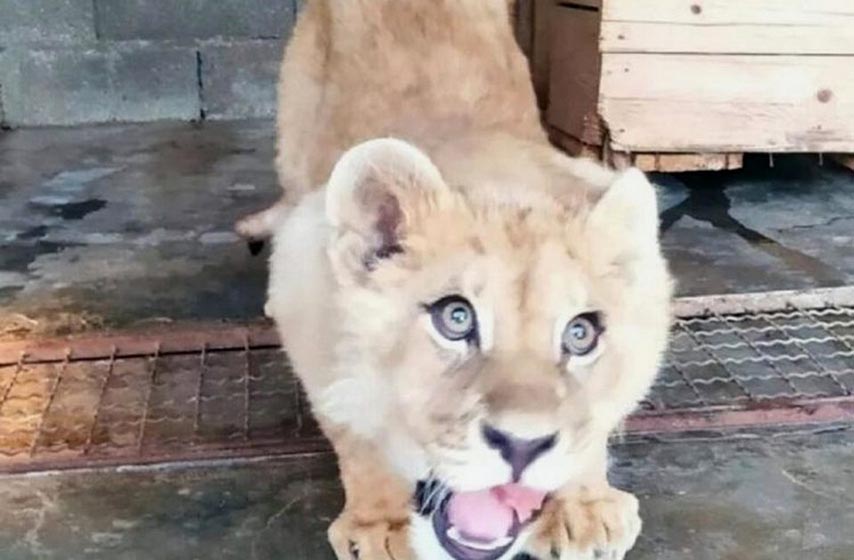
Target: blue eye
<point x="454" y="318"/>
<point x="581" y="335"/>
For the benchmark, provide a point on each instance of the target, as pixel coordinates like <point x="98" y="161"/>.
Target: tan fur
<point x="475" y="203"/>
<point x="376" y="512"/>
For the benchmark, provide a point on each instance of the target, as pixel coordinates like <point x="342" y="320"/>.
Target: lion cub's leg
<point x="590" y="522"/>
<point x="375" y="522"/>
<point x="587" y="519"/>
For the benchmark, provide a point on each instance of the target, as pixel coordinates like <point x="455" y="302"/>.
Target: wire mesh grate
<point x="751" y="358"/>
<point x="230" y="393"/>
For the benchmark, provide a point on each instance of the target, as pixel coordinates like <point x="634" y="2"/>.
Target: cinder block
<point x="64" y="86"/>
<point x="194" y="19"/>
<point x="46" y="21"/>
<point x="239" y="80"/>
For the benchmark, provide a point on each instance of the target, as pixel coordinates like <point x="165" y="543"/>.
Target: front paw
<point x="357" y="539"/>
<point x="586" y="526"/>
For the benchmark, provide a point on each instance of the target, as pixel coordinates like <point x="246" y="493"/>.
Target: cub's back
<point x="428" y="71"/>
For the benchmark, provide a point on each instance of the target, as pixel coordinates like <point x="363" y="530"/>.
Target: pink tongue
<point x="487" y="515"/>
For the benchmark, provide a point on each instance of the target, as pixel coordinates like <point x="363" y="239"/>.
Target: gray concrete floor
<point x="114" y="226"/>
<point x="744" y="499"/>
<point x="119" y="226"/>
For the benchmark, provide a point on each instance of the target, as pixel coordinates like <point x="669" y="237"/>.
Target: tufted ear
<point x="624" y="221"/>
<point x="371" y="191"/>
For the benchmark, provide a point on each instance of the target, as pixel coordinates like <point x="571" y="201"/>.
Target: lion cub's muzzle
<point x="479" y="525"/>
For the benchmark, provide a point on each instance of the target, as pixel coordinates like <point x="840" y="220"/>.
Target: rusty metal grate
<point x="143" y="399"/>
<point x="228" y="392"/>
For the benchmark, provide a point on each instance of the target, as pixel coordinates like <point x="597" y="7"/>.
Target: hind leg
<point x="301" y="86"/>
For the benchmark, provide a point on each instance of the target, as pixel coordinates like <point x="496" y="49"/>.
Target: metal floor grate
<point x="228" y="392"/>
<point x="145" y="399"/>
<point x="754" y="368"/>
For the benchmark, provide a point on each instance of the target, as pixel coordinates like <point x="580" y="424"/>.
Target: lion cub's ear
<point x="370" y="192"/>
<point x="623" y="223"/>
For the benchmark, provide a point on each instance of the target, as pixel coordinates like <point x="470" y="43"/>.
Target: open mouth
<point x="480" y="525"/>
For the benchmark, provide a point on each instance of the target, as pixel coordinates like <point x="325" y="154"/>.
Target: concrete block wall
<point x="67" y="62"/>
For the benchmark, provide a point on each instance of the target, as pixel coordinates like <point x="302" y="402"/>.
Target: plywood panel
<point x="575" y="74"/>
<point x="728" y="103"/>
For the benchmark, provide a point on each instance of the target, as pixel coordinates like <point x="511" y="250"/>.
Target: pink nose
<point x="519" y="453"/>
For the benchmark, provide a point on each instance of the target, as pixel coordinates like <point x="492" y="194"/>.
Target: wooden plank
<point x="705" y="103"/>
<point x="540" y="49"/>
<point x="522" y="15"/>
<point x="734" y="38"/>
<point x="670" y="163"/>
<point x="575" y="74"/>
<point x="729" y="26"/>
<point x="677" y="163"/>
<point x="742" y="12"/>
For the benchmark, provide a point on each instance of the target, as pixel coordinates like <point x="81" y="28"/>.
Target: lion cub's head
<point x="490" y="341"/>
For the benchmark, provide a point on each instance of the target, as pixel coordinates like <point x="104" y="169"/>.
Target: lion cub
<point x="472" y="313"/>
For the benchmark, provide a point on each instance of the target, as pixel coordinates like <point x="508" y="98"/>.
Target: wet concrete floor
<point x="115" y="226"/>
<point x="130" y="225"/>
<point x="785" y="498"/>
<point x="112" y="226"/>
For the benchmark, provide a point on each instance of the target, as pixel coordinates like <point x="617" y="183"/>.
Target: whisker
<point x="435" y="488"/>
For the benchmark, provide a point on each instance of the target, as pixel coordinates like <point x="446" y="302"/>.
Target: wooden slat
<point x="670" y="163"/>
<point x="729" y="26"/>
<point x="540" y="49"/>
<point x="676" y="163"/>
<point x="728" y="103"/>
<point x="742" y="12"/>
<point x="575" y="74"/>
<point x="673" y="37"/>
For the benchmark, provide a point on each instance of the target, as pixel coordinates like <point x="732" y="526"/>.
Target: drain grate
<point x="145" y="399"/>
<point x="228" y="392"/>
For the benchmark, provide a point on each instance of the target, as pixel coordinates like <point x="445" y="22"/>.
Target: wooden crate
<point x="680" y="85"/>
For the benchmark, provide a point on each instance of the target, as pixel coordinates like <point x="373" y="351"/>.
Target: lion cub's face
<point x="485" y="342"/>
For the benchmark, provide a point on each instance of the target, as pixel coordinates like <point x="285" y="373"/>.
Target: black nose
<point x="519" y="453"/>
